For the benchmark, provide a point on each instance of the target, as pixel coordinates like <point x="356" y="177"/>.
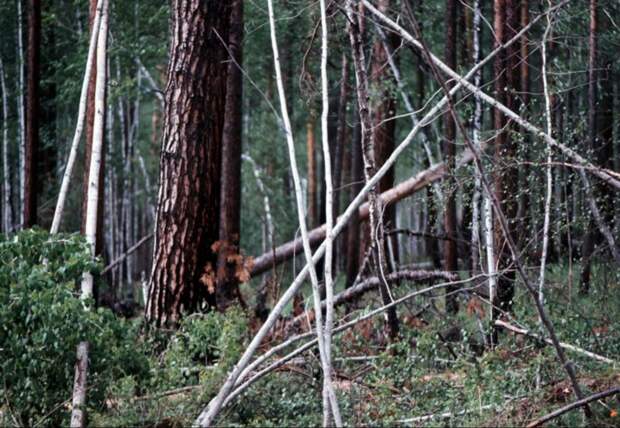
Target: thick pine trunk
<point x="32" y="113"/>
<point x="230" y="197"/>
<point x="188" y="201"/>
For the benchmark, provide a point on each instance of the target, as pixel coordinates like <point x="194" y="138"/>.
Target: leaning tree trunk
<point x="190" y="161"/>
<point x="230" y="194"/>
<point x="31" y="185"/>
<point x="90" y="117"/>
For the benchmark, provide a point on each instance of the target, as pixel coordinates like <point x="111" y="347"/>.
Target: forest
<point x="309" y="213"/>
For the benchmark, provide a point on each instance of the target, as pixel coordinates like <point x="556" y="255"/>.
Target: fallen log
<point x="407" y="188"/>
<point x="372" y="284"/>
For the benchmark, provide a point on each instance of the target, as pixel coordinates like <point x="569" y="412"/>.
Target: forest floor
<point x="438" y="373"/>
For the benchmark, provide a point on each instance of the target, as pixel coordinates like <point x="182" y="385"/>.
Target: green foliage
<point x="184" y="375"/>
<point x="41" y="322"/>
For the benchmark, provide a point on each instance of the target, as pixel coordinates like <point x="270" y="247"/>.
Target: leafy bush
<point x="41" y="322"/>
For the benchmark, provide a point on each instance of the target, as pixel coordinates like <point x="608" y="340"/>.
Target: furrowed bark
<point x="188" y="201"/>
<point x="230" y="193"/>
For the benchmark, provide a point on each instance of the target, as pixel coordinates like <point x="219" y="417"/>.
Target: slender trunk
<point x="95" y="165"/>
<point x="21" y="113"/>
<point x="368" y="155"/>
<point x="353" y="230"/>
<point x="90" y="118"/>
<point x="476" y="129"/>
<point x="504" y="154"/>
<point x="589" y="238"/>
<point x="31" y="183"/>
<point x="313" y="211"/>
<point x="81" y="370"/>
<point x="86" y="85"/>
<point x="188" y="202"/>
<point x="524" y="203"/>
<point x="383" y="109"/>
<point x="230" y="193"/>
<point x="78" y="402"/>
<point x="7" y="211"/>
<point x="449" y="153"/>
<point x="549" y="187"/>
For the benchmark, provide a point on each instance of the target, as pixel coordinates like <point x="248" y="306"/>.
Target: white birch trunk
<point x="330" y="407"/>
<point x="268" y="244"/>
<point x="549" y="176"/>
<point x="78" y="402"/>
<point x="79" y="127"/>
<point x="21" y="113"/>
<point x="90" y="228"/>
<point x="7" y="212"/>
<point x="477" y="127"/>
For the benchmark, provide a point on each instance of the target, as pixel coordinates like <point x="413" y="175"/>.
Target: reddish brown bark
<point x="313" y="211"/>
<point x="188" y="202"/>
<point x="230" y="194"/>
<point x="383" y="110"/>
<point x="524" y="205"/>
<point x="33" y="107"/>
<point x="449" y="153"/>
<point x="505" y="174"/>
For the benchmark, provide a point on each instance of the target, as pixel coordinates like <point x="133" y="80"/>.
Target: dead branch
<point x="574" y="405"/>
<point x="372" y="284"/>
<point x="566" y="346"/>
<point x="127" y="253"/>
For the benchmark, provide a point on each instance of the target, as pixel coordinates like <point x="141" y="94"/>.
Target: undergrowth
<point x="440" y="371"/>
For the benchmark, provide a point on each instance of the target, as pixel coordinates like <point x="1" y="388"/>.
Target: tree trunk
<point x="7" y="210"/>
<point x="313" y="211"/>
<point x="505" y="188"/>
<point x="230" y="194"/>
<point x="188" y="202"/>
<point x="31" y="184"/>
<point x="90" y="117"/>
<point x="353" y="229"/>
<point x="368" y="155"/>
<point x="524" y="203"/>
<point x="21" y="115"/>
<point x="383" y="110"/>
<point x="449" y="153"/>
<point x="590" y="235"/>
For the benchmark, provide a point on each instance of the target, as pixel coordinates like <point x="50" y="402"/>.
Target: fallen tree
<point x="407" y="188"/>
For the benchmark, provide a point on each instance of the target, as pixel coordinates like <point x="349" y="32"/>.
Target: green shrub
<point x="41" y="322"/>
